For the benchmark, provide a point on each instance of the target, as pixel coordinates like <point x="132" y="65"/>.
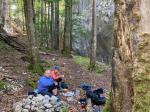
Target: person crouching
<point x="46" y="84"/>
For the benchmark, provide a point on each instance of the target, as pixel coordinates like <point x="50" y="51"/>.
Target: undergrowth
<point x="85" y="63"/>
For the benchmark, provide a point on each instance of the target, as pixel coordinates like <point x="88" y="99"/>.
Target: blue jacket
<point x="44" y="83"/>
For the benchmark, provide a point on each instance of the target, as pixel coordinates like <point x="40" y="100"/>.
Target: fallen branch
<point x="13" y="42"/>
<point x="45" y="53"/>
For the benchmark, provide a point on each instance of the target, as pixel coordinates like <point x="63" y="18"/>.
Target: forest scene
<point x="74" y="55"/>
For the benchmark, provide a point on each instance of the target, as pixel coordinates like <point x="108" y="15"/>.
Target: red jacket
<point x="55" y="75"/>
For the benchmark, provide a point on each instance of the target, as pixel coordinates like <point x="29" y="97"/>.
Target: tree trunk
<point x="67" y="28"/>
<point x="93" y="39"/>
<point x="131" y="57"/>
<point x="122" y="82"/>
<point x="4" y="11"/>
<point x="1" y="24"/>
<point x="52" y="25"/>
<point x="28" y="5"/>
<point x="141" y="73"/>
<point x="56" y="46"/>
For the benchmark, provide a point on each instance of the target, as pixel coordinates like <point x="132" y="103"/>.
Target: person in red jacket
<point x="55" y="74"/>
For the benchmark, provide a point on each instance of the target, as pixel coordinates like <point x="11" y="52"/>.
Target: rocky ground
<point x="13" y="71"/>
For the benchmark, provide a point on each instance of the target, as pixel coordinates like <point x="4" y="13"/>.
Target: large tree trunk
<point x="28" y="5"/>
<point x="131" y="78"/>
<point x="142" y="56"/>
<point x="122" y="82"/>
<point x="93" y="37"/>
<point x="67" y="28"/>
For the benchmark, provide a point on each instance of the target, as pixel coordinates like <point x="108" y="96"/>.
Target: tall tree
<point x="130" y="90"/>
<point x="52" y="25"/>
<point x="29" y="18"/>
<point x="56" y="44"/>
<point x="1" y="24"/>
<point x="4" y="7"/>
<point x="67" y="28"/>
<point x="2" y="13"/>
<point x="93" y="37"/>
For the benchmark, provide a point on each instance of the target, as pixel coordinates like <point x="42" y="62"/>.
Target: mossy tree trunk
<point x="122" y="82"/>
<point x="93" y="37"/>
<point x="131" y="57"/>
<point x="33" y="49"/>
<point x="141" y="73"/>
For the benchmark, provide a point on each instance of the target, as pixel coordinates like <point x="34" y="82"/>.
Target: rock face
<point x="39" y="104"/>
<point x="82" y="28"/>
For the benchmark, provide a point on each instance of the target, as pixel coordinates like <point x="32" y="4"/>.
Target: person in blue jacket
<point x="46" y="84"/>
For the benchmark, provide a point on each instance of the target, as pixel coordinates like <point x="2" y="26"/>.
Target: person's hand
<point x="62" y="76"/>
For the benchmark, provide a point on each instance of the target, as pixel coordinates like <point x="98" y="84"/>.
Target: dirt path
<point x="11" y="64"/>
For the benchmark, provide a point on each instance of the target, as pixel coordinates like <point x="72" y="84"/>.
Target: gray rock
<point x="27" y="107"/>
<point x="40" y="97"/>
<point x="40" y="110"/>
<point x="17" y="107"/>
<point x="53" y="100"/>
<point x="48" y="105"/>
<point x="48" y="110"/>
<point x="42" y="107"/>
<point x="46" y="101"/>
<point x="33" y="108"/>
<point x="30" y="97"/>
<point x="25" y="110"/>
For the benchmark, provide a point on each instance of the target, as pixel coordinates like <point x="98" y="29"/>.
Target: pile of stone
<point x="39" y="103"/>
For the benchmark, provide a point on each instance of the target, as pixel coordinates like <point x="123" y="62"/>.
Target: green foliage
<point x="31" y="83"/>
<point x="99" y="69"/>
<point x="107" y="107"/>
<point x="37" y="68"/>
<point x="83" y="61"/>
<point x="91" y="67"/>
<point x="2" y="85"/>
<point x="64" y="109"/>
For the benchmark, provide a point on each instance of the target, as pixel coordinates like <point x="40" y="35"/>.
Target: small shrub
<point x="32" y="83"/>
<point x="2" y="85"/>
<point x="65" y="109"/>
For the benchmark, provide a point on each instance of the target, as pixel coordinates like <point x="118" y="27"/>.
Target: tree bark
<point x="1" y="24"/>
<point x="131" y="58"/>
<point x="56" y="46"/>
<point x="31" y="31"/>
<point x="122" y="64"/>
<point x="13" y="42"/>
<point x="52" y="26"/>
<point x="67" y="28"/>
<point x="141" y="73"/>
<point x="93" y="38"/>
